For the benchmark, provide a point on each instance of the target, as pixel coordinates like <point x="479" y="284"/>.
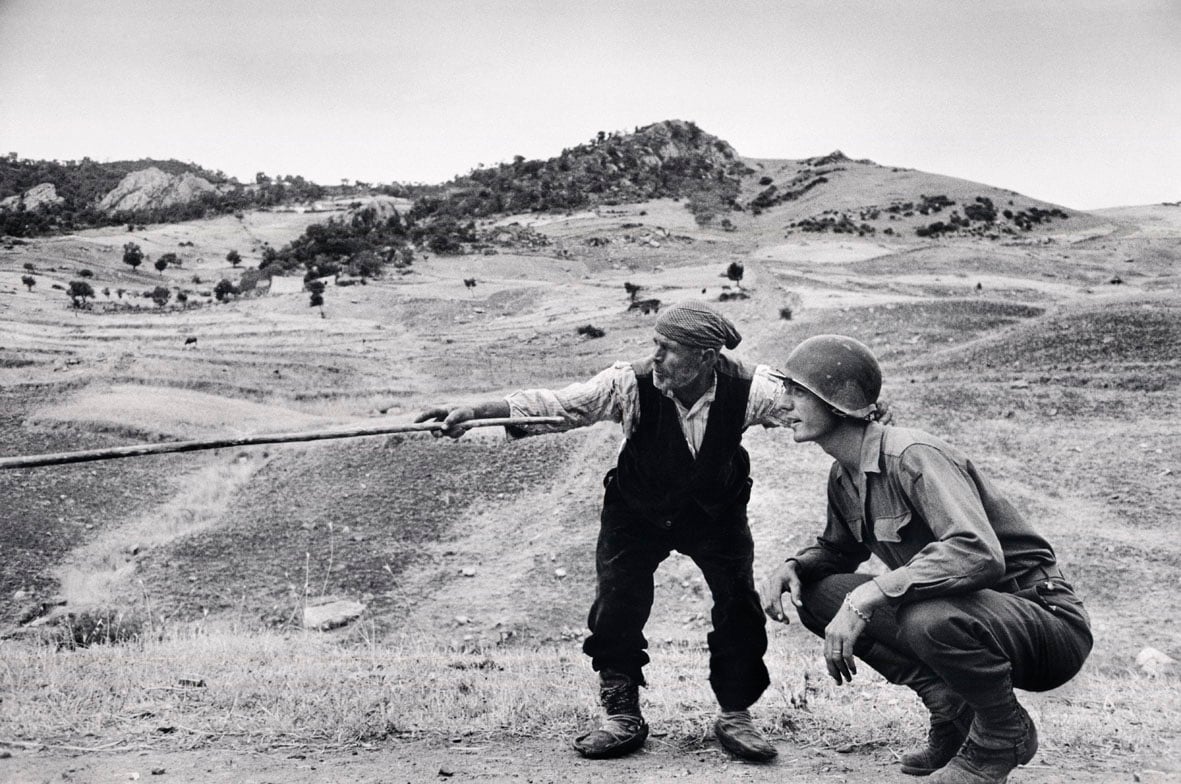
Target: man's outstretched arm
<point x="453" y="417"/>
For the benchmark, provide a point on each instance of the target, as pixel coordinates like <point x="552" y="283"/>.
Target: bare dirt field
<point x="1054" y="361"/>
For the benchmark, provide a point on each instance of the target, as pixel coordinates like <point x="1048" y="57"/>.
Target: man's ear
<point x="709" y="356"/>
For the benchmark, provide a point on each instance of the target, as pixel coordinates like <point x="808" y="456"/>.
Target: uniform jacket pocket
<point x="888" y="528"/>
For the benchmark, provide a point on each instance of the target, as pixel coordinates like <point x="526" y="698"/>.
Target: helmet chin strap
<point x="867" y="414"/>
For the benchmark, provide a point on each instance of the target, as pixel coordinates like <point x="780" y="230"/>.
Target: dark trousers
<point x="629" y="550"/>
<point x="980" y="645"/>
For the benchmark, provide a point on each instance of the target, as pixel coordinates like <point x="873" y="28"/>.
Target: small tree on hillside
<point x="632" y="290"/>
<point x="234" y="258"/>
<point x="133" y="256"/>
<point x="316" y="287"/>
<point x="161" y="295"/>
<point x="734" y="272"/>
<point x="29" y="281"/>
<point x="224" y="290"/>
<point x="79" y="292"/>
<point x="161" y="265"/>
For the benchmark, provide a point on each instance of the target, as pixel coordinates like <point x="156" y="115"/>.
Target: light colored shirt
<point x="614" y="396"/>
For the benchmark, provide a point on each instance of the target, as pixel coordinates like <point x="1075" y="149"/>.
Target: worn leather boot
<point x="988" y="755"/>
<point x="739" y="736"/>
<point x="951" y="718"/>
<point x="950" y="714"/>
<point x="624" y="730"/>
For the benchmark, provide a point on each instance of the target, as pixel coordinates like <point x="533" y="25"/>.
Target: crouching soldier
<point x="973" y="603"/>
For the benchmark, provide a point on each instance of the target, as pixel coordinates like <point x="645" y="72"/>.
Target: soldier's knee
<point x="924" y="625"/>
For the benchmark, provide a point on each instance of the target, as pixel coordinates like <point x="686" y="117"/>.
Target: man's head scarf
<point x="696" y="323"/>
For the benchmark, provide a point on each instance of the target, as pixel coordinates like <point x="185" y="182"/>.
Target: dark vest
<point x="658" y="476"/>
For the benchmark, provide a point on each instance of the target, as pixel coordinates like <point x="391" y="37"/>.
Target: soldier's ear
<point x="709" y="356"/>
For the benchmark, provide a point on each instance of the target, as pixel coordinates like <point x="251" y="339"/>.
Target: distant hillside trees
<point x="29" y="281"/>
<point x="234" y="258"/>
<point x="362" y="244"/>
<point x="663" y="160"/>
<point x="81" y="184"/>
<point x="161" y="295"/>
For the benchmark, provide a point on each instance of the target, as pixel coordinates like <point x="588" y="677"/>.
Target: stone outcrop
<point x="151" y="188"/>
<point x="331" y="614"/>
<point x="43" y="195"/>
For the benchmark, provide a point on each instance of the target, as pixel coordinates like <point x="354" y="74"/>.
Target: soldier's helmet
<point x="839" y="370"/>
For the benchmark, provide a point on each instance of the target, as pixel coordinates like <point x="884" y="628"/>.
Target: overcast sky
<point x="1077" y="102"/>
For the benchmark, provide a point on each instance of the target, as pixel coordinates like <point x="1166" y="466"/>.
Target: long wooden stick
<point x="136" y="450"/>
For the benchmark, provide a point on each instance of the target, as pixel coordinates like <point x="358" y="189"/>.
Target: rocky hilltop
<point x="43" y="195"/>
<point x="152" y="188"/>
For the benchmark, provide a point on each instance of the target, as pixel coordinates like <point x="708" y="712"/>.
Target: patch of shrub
<point x="97" y="627"/>
<point x="591" y="331"/>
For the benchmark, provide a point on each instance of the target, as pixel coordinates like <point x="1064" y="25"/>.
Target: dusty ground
<point x="537" y="762"/>
<point x="1025" y="354"/>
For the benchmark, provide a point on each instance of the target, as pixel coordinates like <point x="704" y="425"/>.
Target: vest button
<point x="667" y="523"/>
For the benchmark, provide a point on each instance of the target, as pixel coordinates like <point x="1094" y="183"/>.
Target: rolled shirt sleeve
<point x="610" y="396"/>
<point x="962" y="552"/>
<point x="767" y="404"/>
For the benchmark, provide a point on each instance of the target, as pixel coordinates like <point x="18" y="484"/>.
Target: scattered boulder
<point x="331" y="614"/>
<point x="1153" y="662"/>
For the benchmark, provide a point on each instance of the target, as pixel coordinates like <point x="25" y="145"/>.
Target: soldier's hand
<point x="452" y="419"/>
<point x="784" y="579"/>
<point x="839" y="637"/>
<point x="885" y="415"/>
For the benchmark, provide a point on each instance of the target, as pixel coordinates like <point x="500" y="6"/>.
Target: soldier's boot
<point x="998" y="742"/>
<point x="950" y="714"/>
<point x="739" y="736"/>
<point x="624" y="729"/>
<point x="951" y="718"/>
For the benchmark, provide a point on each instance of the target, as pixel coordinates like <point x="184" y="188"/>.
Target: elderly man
<point x="973" y="603"/>
<point x="682" y="482"/>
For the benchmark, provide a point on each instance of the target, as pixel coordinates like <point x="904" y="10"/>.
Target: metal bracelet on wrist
<point x="856" y="610"/>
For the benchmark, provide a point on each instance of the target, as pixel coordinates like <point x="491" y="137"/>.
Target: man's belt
<point x="1038" y="574"/>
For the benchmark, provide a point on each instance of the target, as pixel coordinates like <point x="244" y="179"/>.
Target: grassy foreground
<point x="266" y="690"/>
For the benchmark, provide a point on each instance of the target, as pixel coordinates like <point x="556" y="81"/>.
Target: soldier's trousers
<point x="980" y="644"/>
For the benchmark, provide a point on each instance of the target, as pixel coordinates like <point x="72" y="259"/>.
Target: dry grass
<point x="199" y="686"/>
